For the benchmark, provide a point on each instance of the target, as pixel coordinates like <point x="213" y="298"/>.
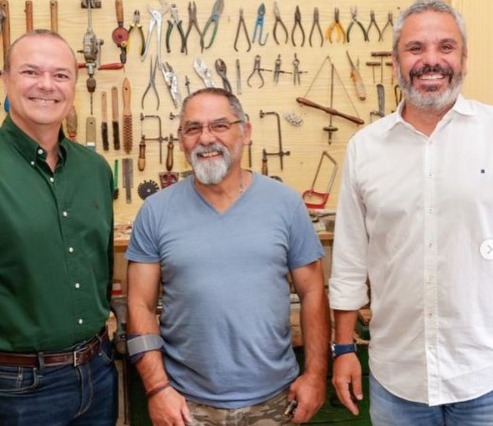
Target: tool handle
<point x="54" y="15"/>
<point x="126" y="92"/>
<point x="114" y="103"/>
<point x="169" y="156"/>
<point x="379" y="54"/>
<point x="90" y="130"/>
<point x="111" y="66"/>
<point x="5" y="27"/>
<point x="358" y="84"/>
<point x="119" y="12"/>
<point x="72" y="123"/>
<point x="141" y="163"/>
<point x="104" y="107"/>
<point x="328" y="110"/>
<point x="29" y="16"/>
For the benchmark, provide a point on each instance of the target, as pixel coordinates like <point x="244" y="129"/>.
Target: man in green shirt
<point x="56" y="228"/>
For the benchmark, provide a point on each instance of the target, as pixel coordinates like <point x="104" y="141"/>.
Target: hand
<point x="168" y="408"/>
<point x="347" y="381"/>
<point x="309" y="391"/>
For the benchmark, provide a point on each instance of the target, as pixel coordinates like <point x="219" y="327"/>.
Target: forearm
<point x="344" y="322"/>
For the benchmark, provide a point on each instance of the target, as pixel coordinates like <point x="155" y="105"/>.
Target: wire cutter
<point x="316" y="24"/>
<point x="389" y="23"/>
<point x="175" y="21"/>
<point x="354" y="20"/>
<point x="241" y="24"/>
<point x="336" y="25"/>
<point x="221" y="71"/>
<point x="155" y="22"/>
<point x="152" y="83"/>
<point x="277" y="14"/>
<point x="373" y="23"/>
<point x="171" y="80"/>
<point x="297" y="23"/>
<point x="192" y="22"/>
<point x="217" y="9"/>
<point x="259" y="25"/>
<point x="136" y="24"/>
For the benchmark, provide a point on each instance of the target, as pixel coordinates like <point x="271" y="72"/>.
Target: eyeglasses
<point x="194" y="130"/>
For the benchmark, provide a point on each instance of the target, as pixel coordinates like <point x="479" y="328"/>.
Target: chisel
<point x="104" y="121"/>
<point x="114" y="111"/>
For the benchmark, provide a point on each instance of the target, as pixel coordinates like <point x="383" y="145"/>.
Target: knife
<point x="114" y="110"/>
<point x="104" y="121"/>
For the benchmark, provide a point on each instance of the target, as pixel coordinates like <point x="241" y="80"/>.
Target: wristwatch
<point x="338" y="349"/>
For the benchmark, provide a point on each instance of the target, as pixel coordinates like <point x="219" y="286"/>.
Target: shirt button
<point x="33" y="163"/>
<point x="65" y="214"/>
<point x="71" y="249"/>
<point x="40" y="151"/>
<point x="81" y="321"/>
<point x="429" y="210"/>
<point x="77" y="285"/>
<point x="52" y="179"/>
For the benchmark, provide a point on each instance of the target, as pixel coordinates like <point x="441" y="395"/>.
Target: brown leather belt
<point x="52" y="359"/>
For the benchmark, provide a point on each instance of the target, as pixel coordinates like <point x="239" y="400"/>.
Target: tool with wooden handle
<point x="29" y="16"/>
<point x="357" y="79"/>
<point x="104" y="121"/>
<point x="120" y="33"/>
<point x="4" y="5"/>
<point x="114" y="112"/>
<point x="127" y="117"/>
<point x="54" y="16"/>
<point x="355" y="120"/>
<point x="91" y="132"/>
<point x="141" y="162"/>
<point x="71" y="123"/>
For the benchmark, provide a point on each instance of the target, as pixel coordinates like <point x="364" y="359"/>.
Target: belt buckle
<point x="76" y="360"/>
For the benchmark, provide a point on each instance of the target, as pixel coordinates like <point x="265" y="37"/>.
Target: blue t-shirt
<point x="226" y="305"/>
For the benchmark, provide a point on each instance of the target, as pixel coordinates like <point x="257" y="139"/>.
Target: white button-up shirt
<point x="415" y="214"/>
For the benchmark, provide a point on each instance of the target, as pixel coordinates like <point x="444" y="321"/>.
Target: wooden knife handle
<point x="126" y="97"/>
<point x="54" y="15"/>
<point x="29" y="16"/>
<point x="114" y="103"/>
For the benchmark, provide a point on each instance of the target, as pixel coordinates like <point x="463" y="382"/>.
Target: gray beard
<point x="213" y="171"/>
<point x="431" y="101"/>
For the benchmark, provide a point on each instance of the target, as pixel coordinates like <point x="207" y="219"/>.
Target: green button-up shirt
<point x="56" y="243"/>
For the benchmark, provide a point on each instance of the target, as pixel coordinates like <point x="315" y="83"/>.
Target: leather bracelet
<point x="155" y="390"/>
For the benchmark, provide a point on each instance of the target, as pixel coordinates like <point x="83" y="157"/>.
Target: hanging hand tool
<point x="311" y="196"/>
<point x="116" y="191"/>
<point x="168" y="178"/>
<point x="280" y="153"/>
<point x="54" y="15"/>
<point x="354" y="20"/>
<point x="373" y="23"/>
<point x="192" y="22"/>
<point x="29" y="15"/>
<point x="278" y="21"/>
<point x="297" y="23"/>
<point x="278" y="70"/>
<point x="257" y="70"/>
<point x="336" y="25"/>
<point x="152" y="83"/>
<point x="373" y="65"/>
<point x="242" y="25"/>
<point x="120" y="33"/>
<point x="136" y="24"/>
<point x="128" y="178"/>
<point x="388" y="24"/>
<point x="147" y="188"/>
<point x="381" y="103"/>
<point x="203" y="72"/>
<point x="381" y="55"/>
<point x="115" y="124"/>
<point x="175" y="22"/>
<point x="155" y="22"/>
<point x="104" y="121"/>
<point x="238" y="77"/>
<point x="221" y="70"/>
<point x="187" y="84"/>
<point x="72" y="124"/>
<point x="91" y="133"/>
<point x="296" y="70"/>
<point x="171" y="79"/>
<point x="328" y="110"/>
<point x="141" y="162"/>
<point x="316" y="24"/>
<point x="330" y="129"/>
<point x="159" y="139"/>
<point x="259" y="26"/>
<point x="217" y="10"/>
<point x="127" y="116"/>
<point x="357" y="80"/>
<point x="4" y="6"/>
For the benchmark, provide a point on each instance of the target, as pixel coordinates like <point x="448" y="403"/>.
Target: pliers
<point x="217" y="9"/>
<point x="389" y="23"/>
<point x="203" y="72"/>
<point x="192" y="22"/>
<point x="258" y="70"/>
<point x="152" y="83"/>
<point x="277" y="14"/>
<point x="241" y="24"/>
<point x="155" y="21"/>
<point x="259" y="25"/>
<point x="171" y="80"/>
<point x="221" y="70"/>
<point x="175" y="20"/>
<point x="136" y="24"/>
<point x="336" y="25"/>
<point x="373" y="23"/>
<point x="316" y="24"/>
<point x="354" y="20"/>
<point x="297" y="23"/>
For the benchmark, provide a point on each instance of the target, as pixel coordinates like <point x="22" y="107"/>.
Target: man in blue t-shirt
<point x="222" y="243"/>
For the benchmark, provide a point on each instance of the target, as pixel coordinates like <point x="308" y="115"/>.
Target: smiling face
<point x="40" y="82"/>
<point x="431" y="60"/>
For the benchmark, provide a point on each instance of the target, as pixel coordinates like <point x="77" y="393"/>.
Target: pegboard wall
<point x="301" y="130"/>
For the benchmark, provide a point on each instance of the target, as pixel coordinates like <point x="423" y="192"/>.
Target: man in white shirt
<point x="415" y="217"/>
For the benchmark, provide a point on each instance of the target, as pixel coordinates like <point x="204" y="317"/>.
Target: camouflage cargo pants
<point x="269" y="413"/>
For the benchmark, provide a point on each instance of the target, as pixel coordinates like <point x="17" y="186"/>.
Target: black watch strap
<point x="342" y="349"/>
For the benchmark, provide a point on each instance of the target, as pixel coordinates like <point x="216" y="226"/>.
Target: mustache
<point x="431" y="69"/>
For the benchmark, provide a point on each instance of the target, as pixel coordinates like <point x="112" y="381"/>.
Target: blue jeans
<point x="86" y="395"/>
<point x="387" y="409"/>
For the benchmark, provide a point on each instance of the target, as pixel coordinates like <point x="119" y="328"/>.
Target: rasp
<point x="127" y="117"/>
